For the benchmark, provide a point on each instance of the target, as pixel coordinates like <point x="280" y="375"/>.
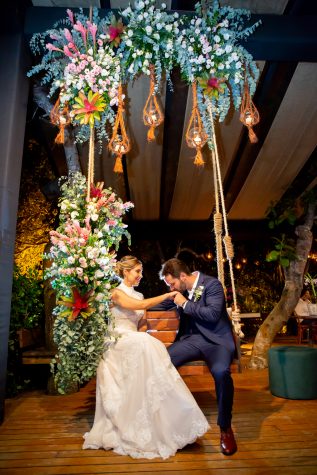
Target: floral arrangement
<point x="149" y="39"/>
<point x="208" y="52"/>
<point x="82" y="274"/>
<point x="79" y="61"/>
<point x="91" y="56"/>
<point x="198" y="292"/>
<point x="311" y="282"/>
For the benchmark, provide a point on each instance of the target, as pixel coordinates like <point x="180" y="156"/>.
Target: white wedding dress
<point x="143" y="407"/>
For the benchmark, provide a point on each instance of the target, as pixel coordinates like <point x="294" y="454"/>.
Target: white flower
<point x="79" y="271"/>
<point x="98" y="274"/>
<point x="70" y="260"/>
<point x="129" y="43"/>
<point x="83" y="262"/>
<point x="148" y="29"/>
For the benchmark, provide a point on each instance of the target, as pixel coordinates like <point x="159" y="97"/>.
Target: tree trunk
<point x="293" y="285"/>
<point x="71" y="152"/>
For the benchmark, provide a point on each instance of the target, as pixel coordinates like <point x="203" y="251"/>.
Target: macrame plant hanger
<point x="220" y="217"/>
<point x="60" y="118"/>
<point x="152" y="114"/>
<point x="119" y="143"/>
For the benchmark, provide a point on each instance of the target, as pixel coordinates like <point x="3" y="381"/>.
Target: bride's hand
<point x="171" y="295"/>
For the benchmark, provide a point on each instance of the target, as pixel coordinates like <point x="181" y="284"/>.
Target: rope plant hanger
<point x="152" y="114"/>
<point x="119" y="143"/>
<point x="196" y="136"/>
<point x="61" y="118"/>
<point x="249" y="114"/>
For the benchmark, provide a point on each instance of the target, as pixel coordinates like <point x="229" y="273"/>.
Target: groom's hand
<point x="179" y="299"/>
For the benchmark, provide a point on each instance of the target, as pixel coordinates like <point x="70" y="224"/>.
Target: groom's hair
<point x="174" y="267"/>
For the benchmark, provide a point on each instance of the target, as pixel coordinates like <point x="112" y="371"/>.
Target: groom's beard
<point x="182" y="287"/>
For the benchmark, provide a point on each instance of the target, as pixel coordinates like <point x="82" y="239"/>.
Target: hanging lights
<point x="119" y="143"/>
<point x="196" y="136"/>
<point x="152" y="114"/>
<point x="249" y="114"/>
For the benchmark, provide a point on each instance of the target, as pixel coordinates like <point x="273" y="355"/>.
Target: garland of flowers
<point x="95" y="55"/>
<point x="80" y="63"/>
<point x="149" y="39"/>
<point x="209" y="53"/>
<point x="82" y="274"/>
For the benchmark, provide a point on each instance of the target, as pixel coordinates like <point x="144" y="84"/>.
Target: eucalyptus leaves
<point x="96" y="54"/>
<point x="82" y="274"/>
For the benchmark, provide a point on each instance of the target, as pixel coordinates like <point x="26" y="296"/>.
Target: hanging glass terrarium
<point x="196" y="136"/>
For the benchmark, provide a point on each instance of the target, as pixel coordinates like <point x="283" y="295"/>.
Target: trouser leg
<point x="218" y="359"/>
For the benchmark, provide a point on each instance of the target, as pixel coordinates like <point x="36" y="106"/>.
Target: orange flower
<point x="87" y="108"/>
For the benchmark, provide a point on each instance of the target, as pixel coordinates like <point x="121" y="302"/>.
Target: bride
<point x="143" y="407"/>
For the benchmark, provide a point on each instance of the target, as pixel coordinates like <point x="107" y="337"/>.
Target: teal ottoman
<point x="293" y="372"/>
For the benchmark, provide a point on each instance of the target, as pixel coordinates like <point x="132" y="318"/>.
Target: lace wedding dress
<point x="143" y="407"/>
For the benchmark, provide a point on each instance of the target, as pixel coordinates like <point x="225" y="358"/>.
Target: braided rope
<point x="91" y="162"/>
<point x="227" y="239"/>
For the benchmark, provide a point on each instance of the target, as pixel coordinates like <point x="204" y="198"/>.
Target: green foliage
<point x="284" y="251"/>
<point x="257" y="291"/>
<point x="27" y="311"/>
<point x="27" y="304"/>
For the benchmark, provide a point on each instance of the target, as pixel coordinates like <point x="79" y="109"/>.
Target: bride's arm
<point x="122" y="299"/>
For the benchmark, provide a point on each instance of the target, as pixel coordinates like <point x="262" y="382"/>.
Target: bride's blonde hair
<point x="126" y="263"/>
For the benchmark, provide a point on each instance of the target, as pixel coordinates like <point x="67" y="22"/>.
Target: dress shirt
<point x="191" y="292"/>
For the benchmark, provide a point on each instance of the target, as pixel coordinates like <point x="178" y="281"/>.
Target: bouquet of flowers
<point x="82" y="274"/>
<point x="209" y="53"/>
<point x="80" y="63"/>
<point x="149" y="39"/>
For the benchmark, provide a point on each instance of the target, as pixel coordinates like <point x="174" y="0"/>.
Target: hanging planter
<point x="249" y="114"/>
<point x="196" y="136"/>
<point x="119" y="143"/>
<point x="152" y="114"/>
<point x="60" y="117"/>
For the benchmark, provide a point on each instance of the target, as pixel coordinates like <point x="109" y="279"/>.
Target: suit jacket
<point x="208" y="313"/>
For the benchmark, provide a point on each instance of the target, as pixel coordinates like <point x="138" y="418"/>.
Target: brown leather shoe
<point x="228" y="444"/>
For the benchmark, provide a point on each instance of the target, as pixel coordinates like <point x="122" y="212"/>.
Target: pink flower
<point x="111" y="222"/>
<point x="70" y="15"/>
<point x="82" y="30"/>
<point x="51" y="47"/>
<point x="68" y="52"/>
<point x="68" y="35"/>
<point x="92" y="30"/>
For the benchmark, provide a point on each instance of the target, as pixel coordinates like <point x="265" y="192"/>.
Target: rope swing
<point x="220" y="216"/>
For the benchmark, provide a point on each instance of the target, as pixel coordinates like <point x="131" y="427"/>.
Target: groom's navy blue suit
<point x="205" y="333"/>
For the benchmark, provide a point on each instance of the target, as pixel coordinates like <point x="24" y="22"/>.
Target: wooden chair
<point x="163" y="325"/>
<point x="303" y="329"/>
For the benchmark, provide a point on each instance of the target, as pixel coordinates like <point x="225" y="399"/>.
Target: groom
<point x="205" y="333"/>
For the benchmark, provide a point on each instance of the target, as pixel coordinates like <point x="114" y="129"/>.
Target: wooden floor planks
<point x="42" y="435"/>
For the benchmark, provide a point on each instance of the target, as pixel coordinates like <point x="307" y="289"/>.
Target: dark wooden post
<point x="14" y="98"/>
